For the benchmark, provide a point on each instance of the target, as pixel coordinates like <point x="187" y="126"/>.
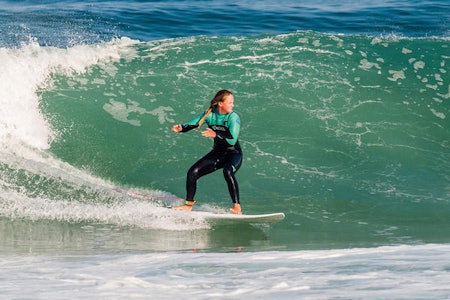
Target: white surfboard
<point x="214" y="217"/>
<point x="228" y="218"/>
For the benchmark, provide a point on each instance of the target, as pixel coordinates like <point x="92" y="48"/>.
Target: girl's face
<point x="226" y="106"/>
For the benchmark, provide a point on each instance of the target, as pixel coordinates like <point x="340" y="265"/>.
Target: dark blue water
<point x="66" y="23"/>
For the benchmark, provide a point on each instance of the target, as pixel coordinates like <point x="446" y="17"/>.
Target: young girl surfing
<point x="223" y="126"/>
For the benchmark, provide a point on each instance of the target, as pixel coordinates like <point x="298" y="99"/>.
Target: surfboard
<point x="212" y="217"/>
<point x="228" y="219"/>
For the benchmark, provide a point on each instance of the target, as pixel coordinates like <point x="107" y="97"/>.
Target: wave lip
<point x="28" y="69"/>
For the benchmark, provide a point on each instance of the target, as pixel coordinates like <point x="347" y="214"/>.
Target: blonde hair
<point x="219" y="97"/>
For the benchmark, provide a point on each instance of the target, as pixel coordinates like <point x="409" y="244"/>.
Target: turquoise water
<point x="344" y="128"/>
<point x="361" y="146"/>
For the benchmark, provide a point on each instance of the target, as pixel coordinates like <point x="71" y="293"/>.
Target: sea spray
<point x="26" y="70"/>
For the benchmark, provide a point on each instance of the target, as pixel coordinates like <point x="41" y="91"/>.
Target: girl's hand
<point x="177" y="128"/>
<point x="209" y="133"/>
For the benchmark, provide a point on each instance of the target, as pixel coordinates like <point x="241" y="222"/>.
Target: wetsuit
<point x="226" y="152"/>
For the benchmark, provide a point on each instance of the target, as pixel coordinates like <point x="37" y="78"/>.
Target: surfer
<point x="223" y="126"/>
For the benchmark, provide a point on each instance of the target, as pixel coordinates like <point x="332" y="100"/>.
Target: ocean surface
<point x="345" y="111"/>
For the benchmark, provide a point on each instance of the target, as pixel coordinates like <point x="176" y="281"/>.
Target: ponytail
<point x="219" y="97"/>
<point x="207" y="112"/>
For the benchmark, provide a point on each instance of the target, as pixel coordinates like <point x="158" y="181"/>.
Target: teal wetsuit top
<point x="227" y="128"/>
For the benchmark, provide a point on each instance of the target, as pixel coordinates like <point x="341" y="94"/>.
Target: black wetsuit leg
<point x="205" y="165"/>
<point x="230" y="162"/>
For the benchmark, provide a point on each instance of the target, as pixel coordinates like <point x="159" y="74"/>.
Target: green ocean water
<point x="346" y="134"/>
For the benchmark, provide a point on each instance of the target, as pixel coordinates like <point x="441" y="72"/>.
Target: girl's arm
<point x="185" y="127"/>
<point x="235" y="128"/>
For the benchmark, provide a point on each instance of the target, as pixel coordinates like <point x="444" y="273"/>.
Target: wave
<point x="26" y="70"/>
<point x="336" y="128"/>
<point x="35" y="184"/>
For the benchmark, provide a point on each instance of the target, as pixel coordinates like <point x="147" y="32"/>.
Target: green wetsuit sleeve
<point x="234" y="127"/>
<point x="189" y="125"/>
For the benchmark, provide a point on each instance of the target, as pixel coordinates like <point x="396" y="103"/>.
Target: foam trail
<point x="45" y="188"/>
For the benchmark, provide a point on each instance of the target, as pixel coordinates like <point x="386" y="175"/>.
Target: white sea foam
<point x="395" y="272"/>
<point x="128" y="212"/>
<point x="82" y="197"/>
<point x="27" y="69"/>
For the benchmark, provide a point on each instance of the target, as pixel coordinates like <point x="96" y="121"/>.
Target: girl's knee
<point x="192" y="173"/>
<point x="229" y="170"/>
